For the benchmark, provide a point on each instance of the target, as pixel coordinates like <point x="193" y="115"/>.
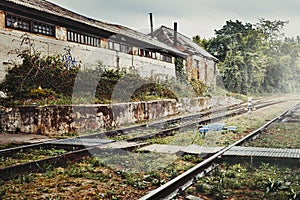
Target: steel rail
<point x="79" y="151"/>
<point x="171" y="131"/>
<point x="178" y="184"/>
<point x="55" y="161"/>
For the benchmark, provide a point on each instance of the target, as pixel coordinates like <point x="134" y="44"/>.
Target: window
<point x="42" y="28"/>
<point x="83" y="38"/>
<point x="141" y="52"/>
<point x="125" y="48"/>
<point x="196" y="63"/>
<point x="29" y="25"/>
<point x="119" y="47"/>
<point x="116" y="46"/>
<point x="110" y="45"/>
<point x="166" y="58"/>
<point x="153" y="55"/>
<point x="147" y="54"/>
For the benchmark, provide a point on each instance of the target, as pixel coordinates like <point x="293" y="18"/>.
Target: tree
<point x="236" y="45"/>
<point x="256" y="58"/>
<point x="230" y="34"/>
<point x="201" y="42"/>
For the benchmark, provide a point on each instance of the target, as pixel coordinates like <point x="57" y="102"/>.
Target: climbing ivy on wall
<point x="179" y="68"/>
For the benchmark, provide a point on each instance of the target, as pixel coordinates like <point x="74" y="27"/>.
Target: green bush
<point x="24" y="80"/>
<point x="46" y="80"/>
<point x="198" y="86"/>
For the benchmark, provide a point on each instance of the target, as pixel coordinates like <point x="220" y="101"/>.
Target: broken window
<point x="42" y="28"/>
<point x="29" y="25"/>
<point x="119" y="47"/>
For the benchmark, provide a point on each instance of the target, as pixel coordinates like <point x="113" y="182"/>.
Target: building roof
<point x="117" y="31"/>
<point x="184" y="44"/>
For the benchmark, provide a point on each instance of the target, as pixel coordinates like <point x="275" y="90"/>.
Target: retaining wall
<point x="82" y="118"/>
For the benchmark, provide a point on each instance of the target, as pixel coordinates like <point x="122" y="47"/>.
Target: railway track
<point x="177" y="185"/>
<point x="76" y="149"/>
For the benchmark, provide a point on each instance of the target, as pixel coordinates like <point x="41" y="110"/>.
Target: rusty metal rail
<point x="43" y="164"/>
<point x="58" y="161"/>
<point x="172" y="188"/>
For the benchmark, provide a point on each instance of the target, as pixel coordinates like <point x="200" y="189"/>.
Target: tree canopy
<point x="255" y="58"/>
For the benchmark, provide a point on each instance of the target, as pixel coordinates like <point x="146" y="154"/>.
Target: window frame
<point x="26" y="24"/>
<point x="166" y="58"/>
<point x="82" y="38"/>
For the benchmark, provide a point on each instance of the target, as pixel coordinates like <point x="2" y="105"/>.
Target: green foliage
<point x="152" y="91"/>
<point x="170" y="170"/>
<point x="2" y="193"/>
<point x="192" y="158"/>
<point x="105" y="85"/>
<point x="46" y="80"/>
<point x="201" y="42"/>
<point x="273" y="185"/>
<point x="198" y="86"/>
<point x="27" y="178"/>
<point x="38" y="77"/>
<point x="256" y="58"/>
<point x="243" y="181"/>
<point x="179" y="68"/>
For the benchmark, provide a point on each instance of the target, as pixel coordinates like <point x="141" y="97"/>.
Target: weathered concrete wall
<point x="82" y="118"/>
<point x="88" y="56"/>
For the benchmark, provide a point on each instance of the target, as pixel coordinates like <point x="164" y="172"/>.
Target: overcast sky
<point x="194" y="17"/>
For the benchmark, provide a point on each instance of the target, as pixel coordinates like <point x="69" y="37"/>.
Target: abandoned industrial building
<point x="200" y="65"/>
<point x="56" y="30"/>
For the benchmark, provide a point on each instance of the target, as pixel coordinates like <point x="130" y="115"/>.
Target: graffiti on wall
<point x="70" y="61"/>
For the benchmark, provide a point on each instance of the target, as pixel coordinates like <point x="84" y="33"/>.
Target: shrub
<point x="46" y="79"/>
<point x="25" y="80"/>
<point x="40" y="93"/>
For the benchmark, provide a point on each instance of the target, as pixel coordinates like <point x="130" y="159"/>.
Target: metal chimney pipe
<point x="175" y="33"/>
<point x="151" y="24"/>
